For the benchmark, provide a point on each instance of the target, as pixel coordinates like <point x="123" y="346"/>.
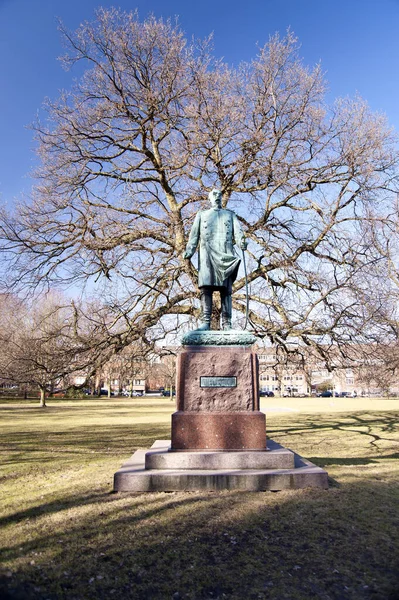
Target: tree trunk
<point x="42" y="398"/>
<point x="97" y="385"/>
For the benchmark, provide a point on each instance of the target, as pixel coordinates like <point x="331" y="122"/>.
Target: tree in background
<point x="167" y="369"/>
<point x="37" y="346"/>
<point x="131" y="363"/>
<point x="46" y="344"/>
<point x="129" y="155"/>
<point x="324" y="386"/>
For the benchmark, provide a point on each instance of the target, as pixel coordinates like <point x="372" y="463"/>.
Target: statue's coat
<point x="216" y="230"/>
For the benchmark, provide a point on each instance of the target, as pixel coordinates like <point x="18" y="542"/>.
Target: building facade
<point x="292" y="375"/>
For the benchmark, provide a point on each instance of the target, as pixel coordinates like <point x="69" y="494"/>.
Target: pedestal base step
<point x="159" y="458"/>
<point x="162" y="470"/>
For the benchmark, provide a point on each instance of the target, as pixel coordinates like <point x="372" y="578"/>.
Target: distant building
<point x="286" y="378"/>
<point x="361" y="374"/>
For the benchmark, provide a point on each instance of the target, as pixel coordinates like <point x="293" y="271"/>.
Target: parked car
<point x="167" y="393"/>
<point x="326" y="394"/>
<point x="266" y="393"/>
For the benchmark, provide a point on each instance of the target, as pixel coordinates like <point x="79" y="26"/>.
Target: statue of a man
<point x="216" y="230"/>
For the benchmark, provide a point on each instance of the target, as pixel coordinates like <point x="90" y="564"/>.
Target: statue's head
<point x="215" y="198"/>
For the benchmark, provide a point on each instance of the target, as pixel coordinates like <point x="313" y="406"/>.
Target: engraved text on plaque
<point x="218" y="382"/>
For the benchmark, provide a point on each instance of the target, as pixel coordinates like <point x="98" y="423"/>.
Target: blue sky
<point x="357" y="42"/>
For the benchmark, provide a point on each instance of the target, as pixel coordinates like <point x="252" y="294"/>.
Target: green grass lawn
<point x="65" y="535"/>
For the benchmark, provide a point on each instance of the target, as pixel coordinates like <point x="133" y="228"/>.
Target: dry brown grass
<point x="65" y="535"/>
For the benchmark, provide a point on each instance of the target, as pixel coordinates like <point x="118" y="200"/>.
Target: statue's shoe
<point x="203" y="327"/>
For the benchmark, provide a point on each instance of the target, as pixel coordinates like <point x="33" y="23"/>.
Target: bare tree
<point x="377" y="368"/>
<point x="46" y="342"/>
<point x="167" y="368"/>
<point x="126" y="366"/>
<point x="128" y="156"/>
<point x="37" y="346"/>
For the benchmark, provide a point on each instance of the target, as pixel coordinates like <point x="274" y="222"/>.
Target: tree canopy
<point x="129" y="155"/>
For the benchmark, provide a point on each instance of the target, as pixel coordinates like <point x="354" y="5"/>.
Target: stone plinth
<point x="194" y="471"/>
<point x="218" y="431"/>
<point x="161" y="458"/>
<point x="226" y="416"/>
<point x="195" y="363"/>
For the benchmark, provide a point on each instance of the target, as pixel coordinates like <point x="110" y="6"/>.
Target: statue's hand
<point x="244" y="245"/>
<point x="186" y="255"/>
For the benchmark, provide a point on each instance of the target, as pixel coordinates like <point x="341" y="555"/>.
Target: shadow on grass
<point x="324" y="462"/>
<point x="360" y="424"/>
<point x="30" y="446"/>
<point x="307" y="544"/>
<point x="339" y="544"/>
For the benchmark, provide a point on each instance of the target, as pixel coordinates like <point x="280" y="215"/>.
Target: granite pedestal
<point x="218" y="432"/>
<point x="218" y="400"/>
<point x="160" y="470"/>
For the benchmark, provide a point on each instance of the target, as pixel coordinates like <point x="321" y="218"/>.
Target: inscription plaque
<point x="218" y="382"/>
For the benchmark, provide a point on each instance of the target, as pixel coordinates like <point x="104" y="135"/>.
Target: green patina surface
<point x="230" y="337"/>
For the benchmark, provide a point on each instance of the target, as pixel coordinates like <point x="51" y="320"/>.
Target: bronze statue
<point x="216" y="230"/>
